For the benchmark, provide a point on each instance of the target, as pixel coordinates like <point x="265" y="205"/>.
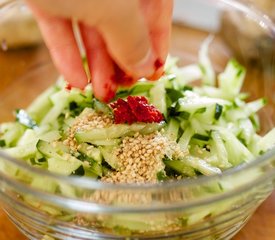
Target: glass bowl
<point x="215" y="207"/>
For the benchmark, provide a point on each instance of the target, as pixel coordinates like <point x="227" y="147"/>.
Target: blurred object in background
<point x="246" y="38"/>
<point x="18" y="29"/>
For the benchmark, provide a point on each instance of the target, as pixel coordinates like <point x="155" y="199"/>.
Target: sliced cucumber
<point x="185" y="138"/>
<point x="231" y="80"/>
<point x="267" y="142"/>
<point x="41" y="105"/>
<point x="109" y="157"/>
<point x="91" y="152"/>
<point x="115" y="131"/>
<point x="208" y="73"/>
<point x="23" y="151"/>
<point x="201" y="165"/>
<point x="158" y="96"/>
<point x="11" y="133"/>
<point x="172" y="130"/>
<point x="64" y="167"/>
<point x="180" y="167"/>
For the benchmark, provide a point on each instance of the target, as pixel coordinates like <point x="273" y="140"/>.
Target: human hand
<point x="124" y="40"/>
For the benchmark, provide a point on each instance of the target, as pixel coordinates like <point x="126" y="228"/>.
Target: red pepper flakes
<point x="135" y="109"/>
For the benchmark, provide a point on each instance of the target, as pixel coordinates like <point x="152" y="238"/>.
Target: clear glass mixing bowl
<point x="82" y="208"/>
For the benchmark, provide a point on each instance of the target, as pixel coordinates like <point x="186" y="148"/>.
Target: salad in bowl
<point x="159" y="160"/>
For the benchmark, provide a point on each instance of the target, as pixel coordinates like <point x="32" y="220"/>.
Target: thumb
<point x="127" y="39"/>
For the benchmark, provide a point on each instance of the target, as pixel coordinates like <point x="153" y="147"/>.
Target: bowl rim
<point x="88" y="183"/>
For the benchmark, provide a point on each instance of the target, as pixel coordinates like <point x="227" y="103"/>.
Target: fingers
<point x="60" y="40"/>
<point x="100" y="64"/>
<point x="121" y="46"/>
<point x="158" y="16"/>
<point x="121" y="25"/>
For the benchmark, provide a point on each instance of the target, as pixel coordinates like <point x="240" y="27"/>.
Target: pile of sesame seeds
<point x="140" y="159"/>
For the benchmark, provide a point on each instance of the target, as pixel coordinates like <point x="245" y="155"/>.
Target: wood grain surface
<point x="15" y="63"/>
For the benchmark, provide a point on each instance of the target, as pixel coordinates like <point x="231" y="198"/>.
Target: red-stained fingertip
<point x="159" y="70"/>
<point x="158" y="64"/>
<point x="68" y="87"/>
<point x="109" y="93"/>
<point x="122" y="78"/>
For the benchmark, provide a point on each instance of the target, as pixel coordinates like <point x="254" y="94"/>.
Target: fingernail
<point x="145" y="67"/>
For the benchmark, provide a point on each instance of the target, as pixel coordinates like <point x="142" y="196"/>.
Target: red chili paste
<point x="135" y="109"/>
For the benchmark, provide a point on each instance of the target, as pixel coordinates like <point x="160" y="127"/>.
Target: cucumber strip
<point x="207" y="70"/>
<point x="141" y="87"/>
<point x="191" y="104"/>
<point x="149" y="127"/>
<point x="109" y="156"/>
<point x="54" y="112"/>
<point x="96" y="168"/>
<point x="50" y="136"/>
<point x="39" y="183"/>
<point x="101" y="107"/>
<point x="255" y="121"/>
<point x="246" y="111"/>
<point x="267" y="142"/>
<point x="255" y="106"/>
<point x="64" y="167"/>
<point x="90" y="151"/>
<point x="185" y="138"/>
<point x="158" y="96"/>
<point x="23" y="151"/>
<point x="247" y="131"/>
<point x="209" y="91"/>
<point x="219" y="150"/>
<point x="28" y="137"/>
<point x="172" y="130"/>
<point x="116" y="131"/>
<point x="180" y="167"/>
<point x="60" y="101"/>
<point x="198" y="127"/>
<point x="255" y="144"/>
<point x="67" y="190"/>
<point x="112" y="132"/>
<point x="206" y="116"/>
<point x="187" y="74"/>
<point x="11" y="133"/>
<point x="41" y="105"/>
<point x="49" y="150"/>
<point x="106" y="142"/>
<point x="231" y="80"/>
<point x="201" y="165"/>
<point x="237" y="152"/>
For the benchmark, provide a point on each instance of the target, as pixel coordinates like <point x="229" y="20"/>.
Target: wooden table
<point x="15" y="63"/>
